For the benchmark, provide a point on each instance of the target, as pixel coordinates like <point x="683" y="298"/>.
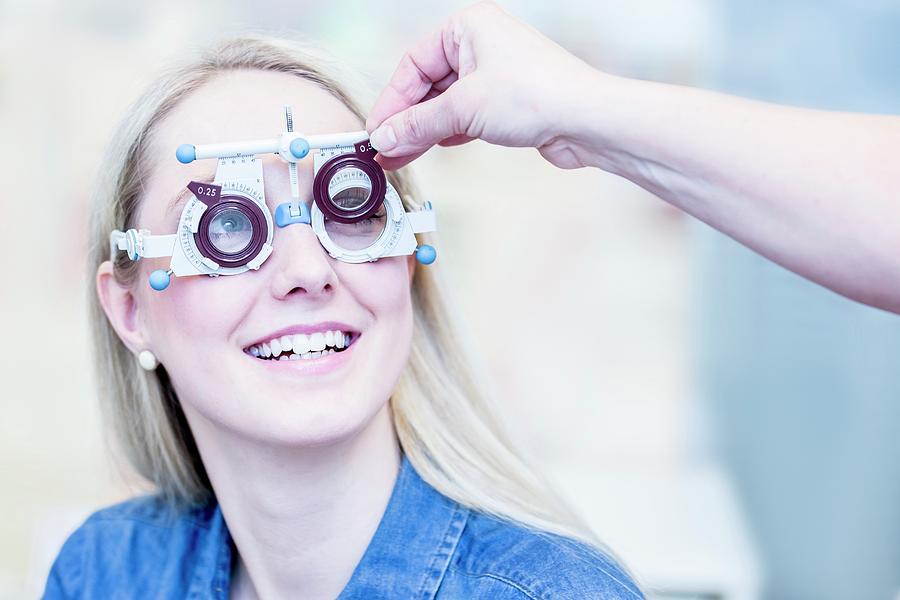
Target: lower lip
<point x="311" y="366"/>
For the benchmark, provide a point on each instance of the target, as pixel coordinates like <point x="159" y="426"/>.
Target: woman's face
<point x="202" y="328"/>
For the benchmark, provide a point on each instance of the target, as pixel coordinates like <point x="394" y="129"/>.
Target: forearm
<point x="815" y="191"/>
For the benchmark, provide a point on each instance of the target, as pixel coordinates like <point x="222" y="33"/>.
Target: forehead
<point x="249" y="104"/>
<point x="235" y="106"/>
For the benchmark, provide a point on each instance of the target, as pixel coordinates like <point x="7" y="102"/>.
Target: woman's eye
<point x="358" y="235"/>
<point x="364" y="223"/>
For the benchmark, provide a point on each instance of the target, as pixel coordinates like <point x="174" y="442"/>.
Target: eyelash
<point x="366" y="221"/>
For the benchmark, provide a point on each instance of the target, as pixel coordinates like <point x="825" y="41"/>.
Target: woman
<point x="375" y="472"/>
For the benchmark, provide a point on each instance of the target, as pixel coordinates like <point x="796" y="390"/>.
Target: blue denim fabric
<point x="426" y="546"/>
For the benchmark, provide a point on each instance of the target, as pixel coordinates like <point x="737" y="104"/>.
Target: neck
<point x="301" y="517"/>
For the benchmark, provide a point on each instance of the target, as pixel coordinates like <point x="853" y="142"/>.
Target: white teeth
<point x="301" y="343"/>
<point x="317" y="341"/>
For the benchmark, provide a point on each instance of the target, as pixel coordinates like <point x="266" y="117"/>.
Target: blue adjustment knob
<point x="186" y="153"/>
<point x="299" y="147"/>
<point x="426" y="254"/>
<point x="159" y="280"/>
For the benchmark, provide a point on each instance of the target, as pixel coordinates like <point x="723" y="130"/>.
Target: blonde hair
<point x="444" y="424"/>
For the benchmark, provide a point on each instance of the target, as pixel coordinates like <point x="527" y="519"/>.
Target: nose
<point x="302" y="267"/>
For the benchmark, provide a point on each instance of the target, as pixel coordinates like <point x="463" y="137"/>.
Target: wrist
<point x="600" y="117"/>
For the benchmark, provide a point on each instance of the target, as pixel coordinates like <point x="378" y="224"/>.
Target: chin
<point x="309" y="420"/>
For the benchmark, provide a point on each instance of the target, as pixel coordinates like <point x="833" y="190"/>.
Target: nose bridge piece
<point x="289" y="213"/>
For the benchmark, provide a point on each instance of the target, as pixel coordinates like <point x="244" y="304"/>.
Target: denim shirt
<point x="426" y="547"/>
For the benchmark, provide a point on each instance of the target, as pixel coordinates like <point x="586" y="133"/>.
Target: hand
<point x="482" y="74"/>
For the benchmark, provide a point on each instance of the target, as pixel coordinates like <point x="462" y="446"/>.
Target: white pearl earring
<point x="148" y="360"/>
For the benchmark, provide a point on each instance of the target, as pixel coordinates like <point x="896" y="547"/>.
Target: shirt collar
<point x="407" y="557"/>
<point x="411" y="549"/>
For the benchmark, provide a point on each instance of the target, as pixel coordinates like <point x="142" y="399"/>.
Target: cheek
<point x="381" y="287"/>
<point x="192" y="324"/>
<point x="193" y="312"/>
<point x="383" y="290"/>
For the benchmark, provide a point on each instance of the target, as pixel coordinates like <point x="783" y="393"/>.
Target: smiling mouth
<point x="301" y="346"/>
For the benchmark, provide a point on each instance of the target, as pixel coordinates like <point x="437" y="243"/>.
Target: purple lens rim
<point x="364" y="160"/>
<point x="257" y="222"/>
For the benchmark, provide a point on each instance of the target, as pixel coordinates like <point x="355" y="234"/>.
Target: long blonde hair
<point x="444" y="423"/>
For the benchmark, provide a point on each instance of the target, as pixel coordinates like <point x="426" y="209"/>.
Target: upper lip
<point x="304" y="328"/>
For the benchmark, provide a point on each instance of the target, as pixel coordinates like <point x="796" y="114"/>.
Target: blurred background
<point x="730" y="430"/>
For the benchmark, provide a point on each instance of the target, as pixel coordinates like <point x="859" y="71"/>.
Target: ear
<point x="120" y="306"/>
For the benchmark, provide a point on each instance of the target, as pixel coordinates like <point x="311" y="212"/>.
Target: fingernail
<point x="383" y="138"/>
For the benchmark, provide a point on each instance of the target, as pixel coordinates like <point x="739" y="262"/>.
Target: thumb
<point x="419" y="127"/>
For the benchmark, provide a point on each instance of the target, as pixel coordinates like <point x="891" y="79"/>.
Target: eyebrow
<point x="186" y="193"/>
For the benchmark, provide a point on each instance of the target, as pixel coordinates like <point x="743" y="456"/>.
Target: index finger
<point x="430" y="60"/>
